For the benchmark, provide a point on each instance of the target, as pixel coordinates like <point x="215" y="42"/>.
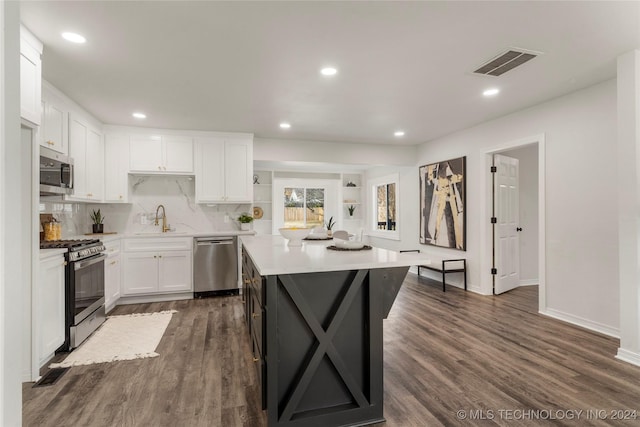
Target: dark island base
<point x="324" y="346"/>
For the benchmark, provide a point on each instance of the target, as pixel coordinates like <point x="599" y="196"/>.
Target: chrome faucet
<point x="165" y="227"/>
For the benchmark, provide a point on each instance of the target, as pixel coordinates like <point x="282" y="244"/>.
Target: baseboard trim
<point x="582" y="322"/>
<point x="140" y="299"/>
<point x="628" y="356"/>
<point x="529" y="282"/>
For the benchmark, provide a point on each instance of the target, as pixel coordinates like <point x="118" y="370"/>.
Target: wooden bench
<point x="444" y="266"/>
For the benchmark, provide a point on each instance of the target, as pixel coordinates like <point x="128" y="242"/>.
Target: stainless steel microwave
<point x="56" y="173"/>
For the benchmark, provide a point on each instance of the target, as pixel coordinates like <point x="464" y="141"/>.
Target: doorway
<point x="515" y="246"/>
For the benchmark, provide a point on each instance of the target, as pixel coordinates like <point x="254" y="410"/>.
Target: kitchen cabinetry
<point x="86" y="147"/>
<point x="161" y="154"/>
<point x="157" y="266"/>
<point x="30" y="77"/>
<point x="54" y="127"/>
<point x="116" y="175"/>
<point x="50" y="314"/>
<point x="254" y="304"/>
<point x="112" y="274"/>
<point x="262" y="195"/>
<point x="224" y="169"/>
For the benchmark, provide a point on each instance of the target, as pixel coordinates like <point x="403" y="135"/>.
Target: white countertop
<point x="271" y="255"/>
<point x="46" y="253"/>
<point x="110" y="237"/>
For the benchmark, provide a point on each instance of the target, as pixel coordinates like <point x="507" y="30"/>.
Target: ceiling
<point x="248" y="66"/>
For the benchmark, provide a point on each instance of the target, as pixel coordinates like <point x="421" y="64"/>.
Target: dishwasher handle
<point x="212" y="242"/>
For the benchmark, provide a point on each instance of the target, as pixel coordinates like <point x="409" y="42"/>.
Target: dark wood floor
<point x="444" y="353"/>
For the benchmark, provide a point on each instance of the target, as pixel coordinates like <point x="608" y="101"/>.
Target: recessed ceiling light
<point x="491" y="92"/>
<point x="139" y="115"/>
<point x="399" y="133"/>
<point x="74" y="38"/>
<point x="285" y="125"/>
<point x="329" y="71"/>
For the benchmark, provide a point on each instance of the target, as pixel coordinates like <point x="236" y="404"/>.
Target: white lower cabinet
<point x="112" y="274"/>
<point x="157" y="266"/>
<point x="50" y="307"/>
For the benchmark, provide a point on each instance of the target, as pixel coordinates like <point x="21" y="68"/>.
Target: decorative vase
<point x="98" y="228"/>
<point x="329" y="233"/>
<point x="245" y="226"/>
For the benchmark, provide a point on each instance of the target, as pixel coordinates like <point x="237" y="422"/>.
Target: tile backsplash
<point x="146" y="193"/>
<point x="177" y="195"/>
<point x="73" y="217"/>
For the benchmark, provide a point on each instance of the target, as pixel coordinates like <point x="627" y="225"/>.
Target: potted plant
<point x="245" y="221"/>
<point x="329" y="224"/>
<point x="351" y="209"/>
<point x="98" y="219"/>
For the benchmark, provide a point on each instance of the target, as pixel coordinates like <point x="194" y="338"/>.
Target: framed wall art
<point x="442" y="204"/>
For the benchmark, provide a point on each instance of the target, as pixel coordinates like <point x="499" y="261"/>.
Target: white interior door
<point x="506" y="203"/>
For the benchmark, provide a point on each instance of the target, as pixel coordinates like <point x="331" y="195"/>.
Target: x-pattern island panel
<point x="315" y="320"/>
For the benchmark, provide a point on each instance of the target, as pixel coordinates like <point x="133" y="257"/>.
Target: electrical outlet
<point x="226" y="218"/>
<point x="143" y="219"/>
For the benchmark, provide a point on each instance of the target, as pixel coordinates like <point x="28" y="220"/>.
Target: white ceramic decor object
<point x="294" y="235"/>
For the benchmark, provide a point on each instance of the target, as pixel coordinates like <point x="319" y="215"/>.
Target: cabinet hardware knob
<point x="247" y="281"/>
<point x="113" y="262"/>
<point x="65" y="263"/>
<point x="159" y="168"/>
<point x="256" y="359"/>
<point x="254" y="315"/>
<point x="121" y="196"/>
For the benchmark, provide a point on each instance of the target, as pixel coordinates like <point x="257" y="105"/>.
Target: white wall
<point x="11" y="277"/>
<point x="628" y="198"/>
<point x="581" y="219"/>
<point x="409" y="205"/>
<point x="528" y="207"/>
<point x="332" y="152"/>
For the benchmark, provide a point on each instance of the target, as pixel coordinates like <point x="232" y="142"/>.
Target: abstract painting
<point x="442" y="200"/>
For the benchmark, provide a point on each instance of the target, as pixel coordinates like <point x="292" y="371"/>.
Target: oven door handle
<point x="87" y="262"/>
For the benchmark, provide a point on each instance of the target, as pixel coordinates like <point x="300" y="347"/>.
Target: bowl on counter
<point x="347" y="244"/>
<point x="294" y="235"/>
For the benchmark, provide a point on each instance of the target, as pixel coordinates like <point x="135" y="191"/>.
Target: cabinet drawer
<point x="261" y="376"/>
<point x="258" y="288"/>
<point x="158" y="244"/>
<point x="112" y="248"/>
<point x="257" y="324"/>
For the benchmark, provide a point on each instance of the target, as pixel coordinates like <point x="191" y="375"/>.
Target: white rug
<point x="127" y="337"/>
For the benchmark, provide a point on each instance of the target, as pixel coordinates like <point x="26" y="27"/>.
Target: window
<point x="385" y="199"/>
<point x="302" y="202"/>
<point x="383" y="221"/>
<point x="303" y="207"/>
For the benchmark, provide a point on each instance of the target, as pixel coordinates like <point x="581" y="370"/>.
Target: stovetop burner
<point x="69" y="244"/>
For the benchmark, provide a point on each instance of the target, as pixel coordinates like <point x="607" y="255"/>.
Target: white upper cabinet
<point x="30" y="77"/>
<point x="161" y="154"/>
<point x="54" y="130"/>
<point x="209" y="170"/>
<point x="86" y="147"/>
<point x="224" y="169"/>
<point x="178" y="154"/>
<point x="116" y="175"/>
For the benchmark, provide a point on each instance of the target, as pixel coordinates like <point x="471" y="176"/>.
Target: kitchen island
<point x="315" y="320"/>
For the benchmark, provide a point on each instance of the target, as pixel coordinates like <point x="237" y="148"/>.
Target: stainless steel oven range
<point x="84" y="288"/>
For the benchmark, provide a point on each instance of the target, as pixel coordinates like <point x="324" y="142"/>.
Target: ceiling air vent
<point x="506" y="61"/>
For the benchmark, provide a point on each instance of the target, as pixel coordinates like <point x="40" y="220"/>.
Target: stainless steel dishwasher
<point x="215" y="266"/>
